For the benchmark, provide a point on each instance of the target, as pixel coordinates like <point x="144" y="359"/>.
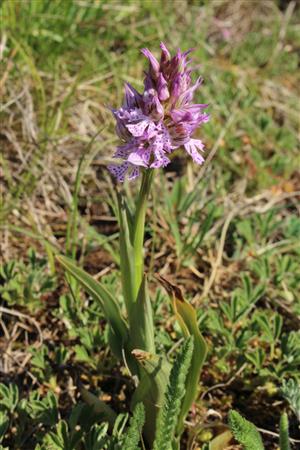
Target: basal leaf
<point x="155" y="371"/>
<point x="187" y="318"/>
<point x="98" y="292"/>
<point x="141" y="321"/>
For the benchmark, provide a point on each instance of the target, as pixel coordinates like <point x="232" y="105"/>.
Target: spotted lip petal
<point x="163" y="118"/>
<point x="137" y="129"/>
<point x="139" y="158"/>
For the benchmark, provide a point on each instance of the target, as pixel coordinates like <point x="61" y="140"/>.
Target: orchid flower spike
<point x="162" y="119"/>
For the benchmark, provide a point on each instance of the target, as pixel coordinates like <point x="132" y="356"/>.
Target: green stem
<point x="139" y="229"/>
<point x="126" y="254"/>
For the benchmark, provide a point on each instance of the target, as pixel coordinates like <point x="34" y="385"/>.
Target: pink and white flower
<point x="163" y="118"/>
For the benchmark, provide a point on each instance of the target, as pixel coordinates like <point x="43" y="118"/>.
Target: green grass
<point x="229" y="235"/>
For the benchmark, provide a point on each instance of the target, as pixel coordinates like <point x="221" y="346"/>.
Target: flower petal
<point x="137" y="159"/>
<point x="191" y="147"/>
<point x="137" y="129"/>
<point x="134" y="173"/>
<point x="119" y="171"/>
<point x="154" y="64"/>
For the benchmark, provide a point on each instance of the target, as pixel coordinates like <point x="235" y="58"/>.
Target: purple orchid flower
<point x="154" y="124"/>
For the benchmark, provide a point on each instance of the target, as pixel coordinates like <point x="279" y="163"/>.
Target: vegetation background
<point x="228" y="233"/>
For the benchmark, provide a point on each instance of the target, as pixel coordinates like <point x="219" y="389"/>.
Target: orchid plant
<point x="151" y="126"/>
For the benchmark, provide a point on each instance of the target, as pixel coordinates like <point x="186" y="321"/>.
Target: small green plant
<point x="183" y="215"/>
<point x="291" y="392"/>
<point x="284" y="433"/>
<point x="25" y="283"/>
<point x="4" y="423"/>
<point x="247" y="434"/>
<point x="134" y="432"/>
<point x="82" y="428"/>
<point x="169" y="413"/>
<point x="9" y="397"/>
<point x="43" y="410"/>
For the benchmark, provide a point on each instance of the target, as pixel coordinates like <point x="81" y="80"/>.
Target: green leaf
<point x="4" y="422"/>
<point x="141" y="321"/>
<point x="66" y="438"/>
<point x="126" y="254"/>
<point x="97" y="437"/>
<point x="245" y="432"/>
<point x="187" y="318"/>
<point x="206" y="446"/>
<point x="151" y="389"/>
<point x="58" y="439"/>
<point x="291" y="391"/>
<point x="257" y="358"/>
<point x="100" y="294"/>
<point x="245" y="230"/>
<point x="284" y="432"/>
<point x="168" y="414"/>
<point x="99" y="407"/>
<point x="82" y="354"/>
<point x="139" y="228"/>
<point x="221" y="441"/>
<point x="44" y="410"/>
<point x="134" y="432"/>
<point x="9" y="396"/>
